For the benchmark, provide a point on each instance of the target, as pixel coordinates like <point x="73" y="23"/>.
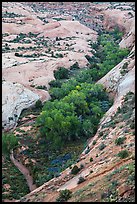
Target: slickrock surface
<point x="15" y="98"/>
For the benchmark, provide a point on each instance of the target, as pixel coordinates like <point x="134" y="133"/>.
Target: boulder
<point x="15" y="98"/>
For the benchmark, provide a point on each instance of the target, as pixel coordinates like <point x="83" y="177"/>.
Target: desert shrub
<point x="61" y="73"/>
<point x="57" y="38"/>
<point x="7" y="47"/>
<point x="55" y="83"/>
<point x="95" y="46"/>
<point x="102" y="146"/>
<point x="100" y="134"/>
<point x="132" y="125"/>
<point x="103" y="195"/>
<point x="131" y="14"/>
<point x="120" y="140"/>
<point x="80" y="180"/>
<point x="118" y="110"/>
<point x="18" y="55"/>
<point x="87" y="151"/>
<point x="112" y="124"/>
<point x="91" y="159"/>
<point x="38" y="104"/>
<point x="81" y="166"/>
<point x="75" y="170"/>
<point x="123" y="154"/>
<point x="32" y="85"/>
<point x="59" y="55"/>
<point x="123" y="71"/>
<point x="9" y="141"/>
<point x="126" y="130"/>
<point x="11" y="15"/>
<point x="104" y="136"/>
<point x="64" y="195"/>
<point x="74" y="66"/>
<point x="10" y="118"/>
<point x="90" y="60"/>
<point x="41" y="87"/>
<point x="125" y="65"/>
<point x="129" y="95"/>
<point x="94" y="142"/>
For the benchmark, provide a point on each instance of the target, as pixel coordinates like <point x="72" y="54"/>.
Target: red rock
<point x="123" y="189"/>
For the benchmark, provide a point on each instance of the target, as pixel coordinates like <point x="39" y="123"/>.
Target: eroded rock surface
<point x="15" y="98"/>
<point x="117" y="83"/>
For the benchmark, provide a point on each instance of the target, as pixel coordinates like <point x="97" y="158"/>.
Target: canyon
<point x="40" y="37"/>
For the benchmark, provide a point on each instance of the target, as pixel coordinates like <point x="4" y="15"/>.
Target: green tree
<point x="58" y="93"/>
<point x="38" y="104"/>
<point x="61" y="73"/>
<point x="88" y="129"/>
<point x="123" y="154"/>
<point x="9" y="141"/>
<point x="64" y="195"/>
<point x="120" y="140"/>
<point x="55" y="83"/>
<point x="78" y="99"/>
<point x="58" y="123"/>
<point x="74" y="66"/>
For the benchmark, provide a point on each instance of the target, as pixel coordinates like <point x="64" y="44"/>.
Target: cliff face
<point x="123" y="20"/>
<point x="106" y="169"/>
<point x="117" y="83"/>
<point x="13" y="104"/>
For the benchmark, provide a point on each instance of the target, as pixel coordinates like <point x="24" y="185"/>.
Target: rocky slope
<point x="108" y="177"/>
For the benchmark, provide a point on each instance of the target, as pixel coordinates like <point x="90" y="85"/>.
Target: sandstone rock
<point x="6" y="186"/>
<point x="123" y="189"/>
<point x="118" y="85"/>
<point x="6" y="193"/>
<point x="26" y="161"/>
<point x="15" y="98"/>
<point x="33" y="160"/>
<point x="129" y="39"/>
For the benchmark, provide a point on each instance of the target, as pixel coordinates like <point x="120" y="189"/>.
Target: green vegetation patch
<point x="64" y="195"/>
<point x="75" y="170"/>
<point x="11" y="15"/>
<point x="9" y="142"/>
<point x="75" y="113"/>
<point x="123" y="154"/>
<point x="12" y="176"/>
<point x="61" y="73"/>
<point x="120" y="140"/>
<point x="80" y="180"/>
